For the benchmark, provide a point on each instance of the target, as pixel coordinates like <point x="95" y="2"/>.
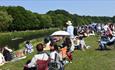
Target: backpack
<point x="53" y="65"/>
<point x="42" y="64"/>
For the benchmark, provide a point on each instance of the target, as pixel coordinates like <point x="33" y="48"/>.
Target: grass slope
<point x="93" y="59"/>
<point x="90" y="59"/>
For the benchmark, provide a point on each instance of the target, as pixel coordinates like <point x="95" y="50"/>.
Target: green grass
<point x="91" y="59"/>
<point x="18" y="65"/>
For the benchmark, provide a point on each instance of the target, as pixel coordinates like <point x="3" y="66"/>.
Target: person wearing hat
<point x="70" y="30"/>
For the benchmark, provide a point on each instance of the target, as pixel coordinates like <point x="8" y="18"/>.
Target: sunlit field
<point x="90" y="59"/>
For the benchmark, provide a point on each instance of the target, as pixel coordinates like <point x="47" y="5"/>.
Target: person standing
<point x="70" y="30"/>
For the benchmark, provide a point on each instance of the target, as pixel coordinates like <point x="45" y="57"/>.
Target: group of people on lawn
<point x="53" y="55"/>
<point x="7" y="54"/>
<point x="58" y="54"/>
<point x="107" y="36"/>
<point x="62" y="54"/>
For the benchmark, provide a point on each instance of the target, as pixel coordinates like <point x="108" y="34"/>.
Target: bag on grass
<point x="53" y="65"/>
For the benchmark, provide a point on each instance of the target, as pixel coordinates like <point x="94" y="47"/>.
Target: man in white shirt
<point x="70" y="30"/>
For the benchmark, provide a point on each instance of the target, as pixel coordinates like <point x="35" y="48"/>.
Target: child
<point x="29" y="47"/>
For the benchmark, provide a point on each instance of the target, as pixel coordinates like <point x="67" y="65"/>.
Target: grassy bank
<point x="18" y="65"/>
<point x="91" y="59"/>
<point x="13" y="39"/>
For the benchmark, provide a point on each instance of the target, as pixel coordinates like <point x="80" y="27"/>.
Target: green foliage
<point x="17" y="18"/>
<point x="59" y="17"/>
<point x="113" y="19"/>
<point x="5" y="20"/>
<point x="23" y="19"/>
<point x="45" y="21"/>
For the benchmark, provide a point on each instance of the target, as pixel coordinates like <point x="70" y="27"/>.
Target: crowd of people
<point x="56" y="51"/>
<point x="107" y="36"/>
<point x="59" y="54"/>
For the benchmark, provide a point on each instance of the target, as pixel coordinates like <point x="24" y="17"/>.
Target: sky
<point x="80" y="7"/>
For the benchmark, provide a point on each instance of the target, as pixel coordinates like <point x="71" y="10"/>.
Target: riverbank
<point x="13" y="39"/>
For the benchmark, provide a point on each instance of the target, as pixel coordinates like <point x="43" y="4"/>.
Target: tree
<point x="113" y="19"/>
<point x="5" y="20"/>
<point x="18" y="18"/>
<point x="59" y="17"/>
<point x="46" y="21"/>
<point x="23" y="19"/>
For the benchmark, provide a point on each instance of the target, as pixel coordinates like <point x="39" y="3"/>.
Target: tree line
<point x="17" y="18"/>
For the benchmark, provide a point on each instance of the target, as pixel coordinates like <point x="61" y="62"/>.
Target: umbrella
<point x="58" y="33"/>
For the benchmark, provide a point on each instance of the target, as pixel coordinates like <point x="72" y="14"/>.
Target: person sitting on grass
<point x="65" y="51"/>
<point x="39" y="60"/>
<point x="106" y="41"/>
<point x="82" y="41"/>
<point x="29" y="47"/>
<point x="47" y="41"/>
<point x="7" y="53"/>
<point x="56" y="59"/>
<point x="77" y="43"/>
<point x="2" y="60"/>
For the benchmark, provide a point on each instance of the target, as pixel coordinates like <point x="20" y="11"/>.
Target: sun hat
<point x="69" y="22"/>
